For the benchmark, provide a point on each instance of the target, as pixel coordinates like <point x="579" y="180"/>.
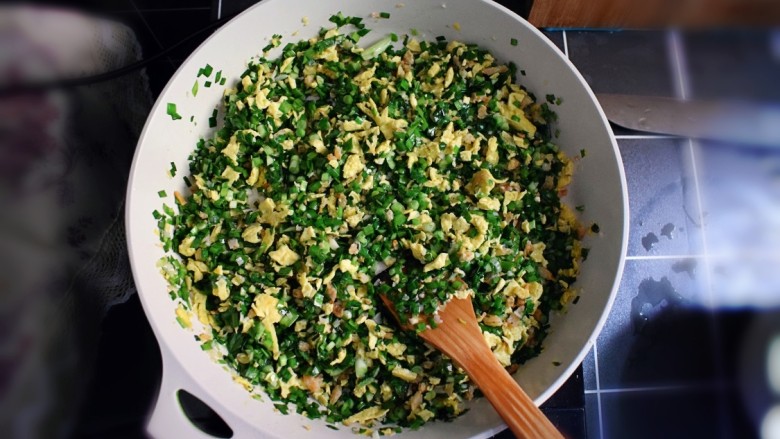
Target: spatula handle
<point x="508" y="398"/>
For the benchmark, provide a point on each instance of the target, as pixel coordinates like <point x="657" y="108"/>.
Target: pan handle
<point x="167" y="419"/>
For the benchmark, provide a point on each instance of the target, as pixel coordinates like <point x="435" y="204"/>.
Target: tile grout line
<point x="598" y="387"/>
<point x="662" y="257"/>
<point x="673" y="44"/>
<point x="683" y="82"/>
<point x="644" y="137"/>
<point x="637" y="389"/>
<point x="595" y="342"/>
<point x="771" y="256"/>
<point x="151" y="32"/>
<point x="219" y="9"/>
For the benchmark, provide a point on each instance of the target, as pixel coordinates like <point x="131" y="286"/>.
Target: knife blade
<point x="739" y="122"/>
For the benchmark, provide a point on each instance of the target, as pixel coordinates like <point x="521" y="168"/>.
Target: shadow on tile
<point x="114" y="407"/>
<point x="589" y="371"/>
<point x="659" y="332"/>
<point x="556" y="37"/>
<point x="171" y="27"/>
<point x="661" y="414"/>
<point x="592" y="415"/>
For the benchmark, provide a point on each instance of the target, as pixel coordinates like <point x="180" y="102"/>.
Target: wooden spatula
<point x="460" y="338"/>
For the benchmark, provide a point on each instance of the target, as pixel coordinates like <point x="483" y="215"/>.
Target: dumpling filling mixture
<point x="424" y="156"/>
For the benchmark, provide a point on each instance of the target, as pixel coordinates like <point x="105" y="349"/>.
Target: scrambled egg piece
<point x="197" y="268"/>
<point x="286" y="386"/>
<point x="418" y="251"/>
<point x="436" y="180"/>
<point x="366" y="415"/>
<point x="404" y="374"/>
<point x="308" y="234"/>
<point x="272" y="213"/>
<point x="491" y="153"/>
<point x="243" y="382"/>
<point x="396" y="349"/>
<point x="185" y="247"/>
<point x="510" y="196"/>
<point x="439" y="262"/>
<point x="353" y="166"/>
<point x="515" y="115"/>
<point x="252" y="233"/>
<point x="387" y="125"/>
<point x="482" y="182"/>
<point x="487" y="203"/>
<point x="566" y="173"/>
<point x="221" y="289"/>
<point x="265" y="307"/>
<point x="537" y="253"/>
<point x="198" y="302"/>
<point x="365" y="78"/>
<point x="329" y="54"/>
<point x="315" y="140"/>
<point x="284" y="256"/>
<point x="184" y="316"/>
<point x="346" y="266"/>
<point x="231" y="150"/>
<point x="447" y="220"/>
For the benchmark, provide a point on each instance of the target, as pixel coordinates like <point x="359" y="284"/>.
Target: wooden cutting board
<point x="654" y="13"/>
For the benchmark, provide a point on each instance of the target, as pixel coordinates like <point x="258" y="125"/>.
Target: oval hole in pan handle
<point x="204" y="418"/>
<point x="169" y="419"/>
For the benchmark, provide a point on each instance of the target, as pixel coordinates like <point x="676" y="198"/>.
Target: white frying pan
<point x="599" y="184"/>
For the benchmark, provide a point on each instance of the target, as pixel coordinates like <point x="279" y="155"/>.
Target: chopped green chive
<point x="206" y="71"/>
<point x="171" y="111"/>
<point x="162" y="194"/>
<point x="377" y="48"/>
<point x="195" y="88"/>
<point x="513" y="41"/>
<point x="384" y="14"/>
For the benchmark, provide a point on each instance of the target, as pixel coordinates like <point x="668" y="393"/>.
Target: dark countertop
<point x="701" y="255"/>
